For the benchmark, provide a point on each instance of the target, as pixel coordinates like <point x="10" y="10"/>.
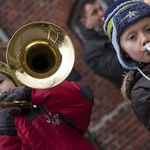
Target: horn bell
<point x="40" y="54"/>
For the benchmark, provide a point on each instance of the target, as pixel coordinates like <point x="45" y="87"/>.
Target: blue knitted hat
<point x="117" y="18"/>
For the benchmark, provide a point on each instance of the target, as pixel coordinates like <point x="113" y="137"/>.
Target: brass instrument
<point x="147" y="47"/>
<point x="3" y="45"/>
<point x="40" y="54"/>
<point x="21" y="104"/>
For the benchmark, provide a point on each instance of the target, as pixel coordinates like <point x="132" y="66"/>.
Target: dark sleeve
<point x="87" y="93"/>
<point x="102" y="59"/>
<point x="28" y="93"/>
<point x="140" y="101"/>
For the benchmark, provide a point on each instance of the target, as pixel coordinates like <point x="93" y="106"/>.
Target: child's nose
<point x="145" y="40"/>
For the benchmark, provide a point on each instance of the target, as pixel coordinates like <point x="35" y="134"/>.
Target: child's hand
<point x="7" y="117"/>
<point x="7" y="126"/>
<point x="21" y="93"/>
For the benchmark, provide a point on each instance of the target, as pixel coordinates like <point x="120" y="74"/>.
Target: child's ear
<point x="126" y="56"/>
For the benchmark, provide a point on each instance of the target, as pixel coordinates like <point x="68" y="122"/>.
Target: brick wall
<point x="113" y="123"/>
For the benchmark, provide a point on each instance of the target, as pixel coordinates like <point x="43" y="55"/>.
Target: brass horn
<point x="40" y="54"/>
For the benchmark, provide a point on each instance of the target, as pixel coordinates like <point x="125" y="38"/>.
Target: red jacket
<point x="58" y="123"/>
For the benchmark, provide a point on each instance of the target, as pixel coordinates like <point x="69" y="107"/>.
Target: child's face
<point x="5" y="83"/>
<point x="134" y="38"/>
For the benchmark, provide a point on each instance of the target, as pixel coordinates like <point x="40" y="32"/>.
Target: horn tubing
<point x="21" y="104"/>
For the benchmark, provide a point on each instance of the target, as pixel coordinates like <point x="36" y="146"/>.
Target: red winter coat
<point x="58" y="124"/>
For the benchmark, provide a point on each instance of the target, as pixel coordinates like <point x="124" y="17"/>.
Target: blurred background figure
<point x="98" y="52"/>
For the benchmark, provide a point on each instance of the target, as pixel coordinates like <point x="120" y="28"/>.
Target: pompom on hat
<point x="4" y="68"/>
<point x="120" y="15"/>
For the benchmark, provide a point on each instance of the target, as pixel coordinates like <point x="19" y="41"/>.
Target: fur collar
<point x="128" y="83"/>
<point x="131" y="78"/>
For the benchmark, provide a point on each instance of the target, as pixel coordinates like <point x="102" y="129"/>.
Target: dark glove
<point x="21" y="93"/>
<point x="7" y="126"/>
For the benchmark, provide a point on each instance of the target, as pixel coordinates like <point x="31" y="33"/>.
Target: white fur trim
<point x="118" y="49"/>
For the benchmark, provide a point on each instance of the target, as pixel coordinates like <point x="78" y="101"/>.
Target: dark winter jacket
<point x="58" y="123"/>
<point x="101" y="57"/>
<point x="136" y="88"/>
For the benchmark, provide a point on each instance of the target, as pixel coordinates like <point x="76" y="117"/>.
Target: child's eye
<point x="148" y="30"/>
<point x="133" y="37"/>
<point x="1" y="81"/>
